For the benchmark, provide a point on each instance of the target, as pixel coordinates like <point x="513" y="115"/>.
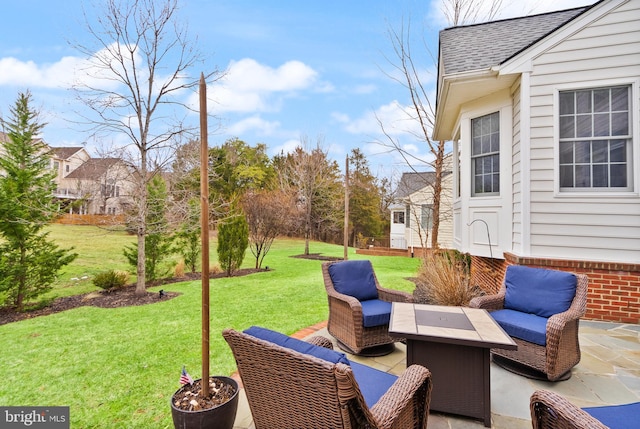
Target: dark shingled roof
<point x="413" y="182"/>
<point x="481" y="46"/>
<point x="64" y="152"/>
<point x="93" y="168"/>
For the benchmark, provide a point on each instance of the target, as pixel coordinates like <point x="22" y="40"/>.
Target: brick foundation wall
<point x="614" y="288"/>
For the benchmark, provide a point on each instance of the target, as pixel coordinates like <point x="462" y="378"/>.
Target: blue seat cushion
<point x="373" y="383"/>
<point x="527" y="327"/>
<point x="539" y="291"/>
<point x="617" y="416"/>
<point x="375" y="312"/>
<point x="354" y="278"/>
<point x="297" y="345"/>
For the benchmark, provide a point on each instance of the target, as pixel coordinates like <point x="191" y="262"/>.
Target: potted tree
<point x="198" y="404"/>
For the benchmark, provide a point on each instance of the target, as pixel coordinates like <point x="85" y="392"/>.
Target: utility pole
<point x="346" y="209"/>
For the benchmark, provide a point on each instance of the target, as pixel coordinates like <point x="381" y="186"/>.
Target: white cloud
<point x="249" y="86"/>
<point x="254" y="124"/>
<point x="289" y="146"/>
<point x="28" y="73"/>
<point x="393" y="116"/>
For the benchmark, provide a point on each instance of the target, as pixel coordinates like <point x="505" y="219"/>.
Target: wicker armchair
<point x="289" y="389"/>
<point x="550" y="410"/>
<point x="561" y="350"/>
<point x="346" y="321"/>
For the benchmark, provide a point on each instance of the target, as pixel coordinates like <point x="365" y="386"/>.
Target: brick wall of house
<point x="614" y="288"/>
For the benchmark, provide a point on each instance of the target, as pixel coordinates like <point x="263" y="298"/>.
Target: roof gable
<point x="65" y="152"/>
<point x="410" y="183"/>
<point x="93" y="168"/>
<point x="482" y="46"/>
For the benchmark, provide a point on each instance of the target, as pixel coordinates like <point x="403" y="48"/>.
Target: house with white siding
<point x="412" y="211"/>
<point x="544" y="115"/>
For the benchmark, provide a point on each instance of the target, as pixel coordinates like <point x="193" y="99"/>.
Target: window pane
<point x="583" y="176"/>
<point x="566" y="103"/>
<point x="478" y="185"/>
<point x="566" y="153"/>
<point x="487" y="165"/>
<point x="495" y="123"/>
<point x="618" y="151"/>
<point x="600" y="151"/>
<point x="475" y="127"/>
<point x="619" y="99"/>
<point x="567" y="127"/>
<point x="495" y="182"/>
<point x="619" y="124"/>
<point x="486" y="125"/>
<point x="601" y="125"/>
<point x="601" y="100"/>
<point x="600" y="173"/>
<point x="476" y="146"/>
<point x="618" y="175"/>
<point x="495" y="142"/>
<point x="496" y="163"/>
<point x="566" y="176"/>
<point x="582" y="152"/>
<point x="583" y="102"/>
<point x="486" y="143"/>
<point x="583" y="126"/>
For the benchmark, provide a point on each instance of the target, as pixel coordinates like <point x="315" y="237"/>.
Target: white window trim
<point x="634" y="180"/>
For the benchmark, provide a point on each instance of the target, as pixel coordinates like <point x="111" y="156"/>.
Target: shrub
<point x="233" y="240"/>
<point x="444" y="278"/>
<point x="111" y="279"/>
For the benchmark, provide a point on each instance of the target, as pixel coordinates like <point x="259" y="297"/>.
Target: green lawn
<point x="118" y="368"/>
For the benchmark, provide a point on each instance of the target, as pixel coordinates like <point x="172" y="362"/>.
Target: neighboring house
<point x="102" y="186"/>
<point x="412" y="212"/>
<point x="63" y="161"/>
<point x="544" y="113"/>
<point x="86" y="185"/>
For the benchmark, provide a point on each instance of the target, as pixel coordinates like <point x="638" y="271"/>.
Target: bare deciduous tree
<point x="132" y="85"/>
<point x="268" y="214"/>
<point x="421" y="110"/>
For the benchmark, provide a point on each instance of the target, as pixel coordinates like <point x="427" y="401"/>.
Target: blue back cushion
<point x="354" y="278"/>
<point x="297" y="345"/>
<point x="375" y="312"/>
<point x="617" y="416"/>
<point x="525" y="326"/>
<point x="538" y="291"/>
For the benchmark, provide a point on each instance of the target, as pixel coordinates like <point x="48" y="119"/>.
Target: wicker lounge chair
<point x="557" y="300"/>
<point x="355" y="331"/>
<point x="292" y="384"/>
<point x="550" y="410"/>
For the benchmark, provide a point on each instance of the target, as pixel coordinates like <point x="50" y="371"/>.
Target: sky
<point x="323" y="71"/>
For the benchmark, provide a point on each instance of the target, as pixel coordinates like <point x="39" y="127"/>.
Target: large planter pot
<point x="219" y="417"/>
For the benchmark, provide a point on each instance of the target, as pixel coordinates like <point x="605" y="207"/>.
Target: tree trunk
<point x="437" y="193"/>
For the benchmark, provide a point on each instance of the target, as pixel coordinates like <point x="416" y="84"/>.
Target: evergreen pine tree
<point x="29" y="262"/>
<point x="233" y="240"/>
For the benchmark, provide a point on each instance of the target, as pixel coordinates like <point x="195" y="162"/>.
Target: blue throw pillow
<point x="297" y="345"/>
<point x="539" y="291"/>
<point x="354" y="278"/>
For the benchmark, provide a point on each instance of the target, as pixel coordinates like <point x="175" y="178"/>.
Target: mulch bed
<point x="122" y="297"/>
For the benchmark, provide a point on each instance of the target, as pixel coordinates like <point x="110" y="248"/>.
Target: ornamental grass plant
<point x="444" y="278"/>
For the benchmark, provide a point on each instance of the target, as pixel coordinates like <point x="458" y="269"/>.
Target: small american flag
<point x="185" y="378"/>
